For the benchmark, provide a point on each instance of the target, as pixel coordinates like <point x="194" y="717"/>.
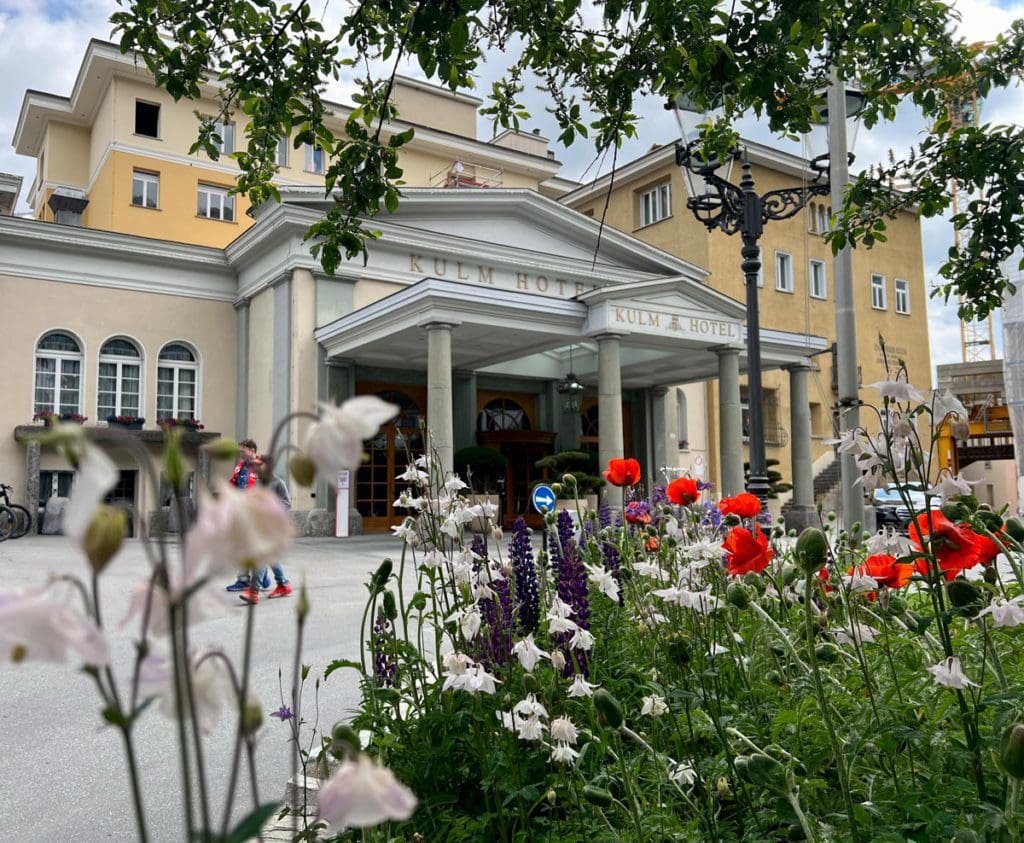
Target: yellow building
<point x="144" y="288"/>
<point x="648" y="200"/>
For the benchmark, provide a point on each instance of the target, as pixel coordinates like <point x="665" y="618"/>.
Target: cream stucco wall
<point x="94" y="315"/>
<point x="67" y="162"/>
<point x="303" y="366"/>
<point x="367" y="292"/>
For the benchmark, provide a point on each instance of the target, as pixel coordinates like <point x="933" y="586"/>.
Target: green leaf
<point x="340" y="664"/>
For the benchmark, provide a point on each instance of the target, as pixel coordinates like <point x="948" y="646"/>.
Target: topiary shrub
<point x="480" y="467"/>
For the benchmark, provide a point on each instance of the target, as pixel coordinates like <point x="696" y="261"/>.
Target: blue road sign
<point x="543" y="498"/>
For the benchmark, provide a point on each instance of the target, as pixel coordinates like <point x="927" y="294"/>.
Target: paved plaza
<point x="63" y="772"/>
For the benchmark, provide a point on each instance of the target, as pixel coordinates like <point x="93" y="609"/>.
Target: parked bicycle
<point x="15" y="520"/>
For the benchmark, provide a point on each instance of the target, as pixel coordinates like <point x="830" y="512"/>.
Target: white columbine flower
<point x="950" y="486"/>
<point x="528" y="653"/>
<point x="36" y="625"/>
<point x="211" y="686"/>
<point x="406" y="531"/>
<point x="854" y="633"/>
<point x="95" y="475"/>
<point x="506" y="719"/>
<point x="582" y="640"/>
<point x="564" y="730"/>
<point x="335" y="441"/>
<point x="562" y="753"/>
<point x="432" y="558"/>
<point x="581" y="687"/>
<point x="949" y="674"/>
<point x="530" y="729"/>
<point x="530" y="707"/>
<point x="1004" y="612"/>
<point x="898" y="391"/>
<point x="478" y="679"/>
<point x="413" y="475"/>
<point x="238" y="528"/>
<point x="362" y="794"/>
<point x="654" y="705"/>
<point x="859" y="582"/>
<point x="559" y="609"/>
<point x="468" y="620"/>
<point x="944" y="403"/>
<point x="681" y="773"/>
<point x="891" y="542"/>
<point x="454" y="484"/>
<point x="603" y="579"/>
<point x="558" y="660"/>
<point x="557" y="624"/>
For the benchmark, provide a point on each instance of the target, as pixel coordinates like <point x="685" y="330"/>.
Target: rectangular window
<point x="147" y="119"/>
<point x="145" y="189"/>
<point x="878" y="292"/>
<point x="315" y="160"/>
<point x="902" y="290"/>
<point x="282" y="152"/>
<point x="656" y="204"/>
<point x="784" y="272"/>
<point x="226" y="133"/>
<point x="819" y="286"/>
<point x="215" y="203"/>
<point x="57" y="385"/>
<point x="760" y="269"/>
<point x="823" y="217"/>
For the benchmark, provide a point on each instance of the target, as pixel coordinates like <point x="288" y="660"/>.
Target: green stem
<point x="826" y="713"/>
<point x="794" y="803"/>
<point x="1012" y="805"/>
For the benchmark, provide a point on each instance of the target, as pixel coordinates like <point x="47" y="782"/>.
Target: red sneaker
<point x="282" y="590"/>
<point x="250" y="595"/>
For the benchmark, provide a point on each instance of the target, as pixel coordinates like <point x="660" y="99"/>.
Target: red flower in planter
<point x="885" y="570"/>
<point x="745" y="505"/>
<point x="956" y="547"/>
<point x="746" y="552"/>
<point x="683" y="490"/>
<point x="623" y="472"/>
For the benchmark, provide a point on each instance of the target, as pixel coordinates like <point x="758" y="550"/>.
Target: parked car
<point x="891" y="508"/>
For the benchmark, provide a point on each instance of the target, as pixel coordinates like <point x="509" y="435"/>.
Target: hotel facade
<point x="143" y="288"/>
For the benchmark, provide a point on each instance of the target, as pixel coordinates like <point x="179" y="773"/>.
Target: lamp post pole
<point x="846" y="322"/>
<point x="740" y="209"/>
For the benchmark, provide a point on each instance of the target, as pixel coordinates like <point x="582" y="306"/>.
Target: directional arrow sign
<point x="543" y="498"/>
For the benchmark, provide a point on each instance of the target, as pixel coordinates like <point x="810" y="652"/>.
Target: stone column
<point x="439" y="392"/>
<point x="730" y="420"/>
<point x="659" y="433"/>
<point x="32" y="450"/>
<point x="242" y="370"/>
<point x="609" y="410"/>
<point x="802" y="512"/>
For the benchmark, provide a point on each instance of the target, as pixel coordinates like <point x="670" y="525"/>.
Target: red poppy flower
<point x="623" y="472"/>
<point x="885" y="570"/>
<point x="745" y="505"/>
<point x="652" y="543"/>
<point x="955" y="546"/>
<point x="683" y="490"/>
<point x="988" y="550"/>
<point x="746" y="552"/>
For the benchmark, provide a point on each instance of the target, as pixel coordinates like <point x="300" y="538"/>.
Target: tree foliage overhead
<point x="595" y="61"/>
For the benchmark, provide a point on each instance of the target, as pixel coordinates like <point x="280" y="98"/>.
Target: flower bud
<point x="388" y="606"/>
<point x="827" y="652"/>
<point x="990" y="520"/>
<point x="344" y="740"/>
<point x="991" y="575"/>
<point x="811" y="550"/>
<point x="557" y="489"/>
<point x="558" y="660"/>
<point x="963" y="595"/>
<point x="609" y="709"/>
<point x="381" y="575"/>
<point x="722" y="786"/>
<point x="679" y="647"/>
<point x="731" y="520"/>
<point x="175" y="469"/>
<point x="1015" y="529"/>
<point x="790" y="574"/>
<point x="737" y="595"/>
<point x="222" y="449"/>
<point x="765" y="771"/>
<point x="302" y="468"/>
<point x="252" y="716"/>
<point x="756" y="582"/>
<point x="597" y="796"/>
<point x="569" y="480"/>
<point x="956" y="511"/>
<point x="1011" y="750"/>
<point x="551" y="796"/>
<point x="530" y="684"/>
<point x="104" y="535"/>
<point x="302" y="604"/>
<point x="897" y="605"/>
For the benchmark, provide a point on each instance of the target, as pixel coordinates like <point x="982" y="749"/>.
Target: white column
<point x="730" y="421"/>
<point x="440" y="424"/>
<point x="659" y="434"/>
<point x="609" y="409"/>
<point x="802" y="512"/>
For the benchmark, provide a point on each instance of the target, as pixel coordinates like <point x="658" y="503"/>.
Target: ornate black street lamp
<point x="739" y="209"/>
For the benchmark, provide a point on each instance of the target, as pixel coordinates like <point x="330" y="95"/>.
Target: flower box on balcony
<point x="187" y="424"/>
<point x="126" y="422"/>
<point x="49" y="418"/>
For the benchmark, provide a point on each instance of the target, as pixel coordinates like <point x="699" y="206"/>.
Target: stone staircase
<point x="826" y="484"/>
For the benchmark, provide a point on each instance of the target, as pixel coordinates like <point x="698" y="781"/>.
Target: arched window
<point x="119" y="391"/>
<point x="58" y="382"/>
<point x="503" y="414"/>
<point x="177" y="377"/>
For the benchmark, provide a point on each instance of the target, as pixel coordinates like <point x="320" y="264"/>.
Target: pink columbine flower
<point x="362" y="794"/>
<point x="211" y="687"/>
<point x="36" y="625"/>
<point x="238" y="528"/>
<point x="95" y="476"/>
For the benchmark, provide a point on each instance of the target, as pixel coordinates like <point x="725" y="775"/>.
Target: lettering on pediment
<point x="662" y="320"/>
<point x="542" y="284"/>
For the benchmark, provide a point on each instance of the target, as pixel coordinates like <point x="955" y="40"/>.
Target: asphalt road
<point x="63" y="772"/>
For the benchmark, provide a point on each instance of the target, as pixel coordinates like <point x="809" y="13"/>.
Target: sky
<point x="42" y="43"/>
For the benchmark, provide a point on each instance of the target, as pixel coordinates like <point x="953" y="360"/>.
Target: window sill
<point x="312" y="173"/>
<point x="144" y="207"/>
<point x="819" y="298"/>
<point x="880" y="309"/>
<point x="147" y="137"/>
<point x="214" y="219"/>
<point x="902" y="312"/>
<point x="650" y="224"/>
<point x="783" y="290"/>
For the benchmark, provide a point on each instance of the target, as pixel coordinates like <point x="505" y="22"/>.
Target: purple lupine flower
<point x="384" y="662"/>
<point x="565" y="531"/>
<point x="479" y="545"/>
<point x="704" y="485"/>
<point x="524" y="570"/>
<point x="495" y="639"/>
<point x="573" y="590"/>
<point x="658" y="495"/>
<point x="712" y="517"/>
<point x="604" y="515"/>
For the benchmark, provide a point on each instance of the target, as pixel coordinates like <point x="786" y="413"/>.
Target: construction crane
<point x="975" y="337"/>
